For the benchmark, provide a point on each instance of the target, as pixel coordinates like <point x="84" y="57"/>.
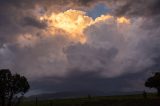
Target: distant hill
<point x="77" y="94"/>
<point x="68" y="94"/>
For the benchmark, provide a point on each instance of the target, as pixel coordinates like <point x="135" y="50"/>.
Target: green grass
<point x="128" y="100"/>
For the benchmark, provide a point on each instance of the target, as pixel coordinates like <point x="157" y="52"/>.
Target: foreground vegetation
<point x="128" y="100"/>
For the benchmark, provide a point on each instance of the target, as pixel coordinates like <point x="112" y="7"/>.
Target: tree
<point x="12" y="87"/>
<point x="154" y="82"/>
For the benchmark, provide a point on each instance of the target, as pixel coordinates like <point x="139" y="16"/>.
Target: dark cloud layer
<point x="139" y="8"/>
<point x="80" y="81"/>
<point x="30" y="21"/>
<point x="122" y="7"/>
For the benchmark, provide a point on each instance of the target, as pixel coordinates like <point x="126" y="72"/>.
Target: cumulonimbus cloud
<point x="34" y="40"/>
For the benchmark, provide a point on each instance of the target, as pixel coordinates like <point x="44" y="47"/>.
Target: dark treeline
<point x="12" y="88"/>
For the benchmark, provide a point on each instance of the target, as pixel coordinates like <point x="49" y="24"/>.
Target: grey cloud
<point x="30" y="21"/>
<point x="7" y="27"/>
<point x="86" y="57"/>
<point x="42" y="56"/>
<point x="47" y="3"/>
<point x="138" y="7"/>
<point x="109" y="51"/>
<point x="120" y="7"/>
<point x="116" y="50"/>
<point x="91" y="81"/>
<point x="6" y="56"/>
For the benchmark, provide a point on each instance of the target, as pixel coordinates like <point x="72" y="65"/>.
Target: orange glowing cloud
<point x="123" y="20"/>
<point x="74" y="22"/>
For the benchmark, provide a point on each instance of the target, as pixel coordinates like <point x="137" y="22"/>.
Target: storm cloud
<point x="111" y="51"/>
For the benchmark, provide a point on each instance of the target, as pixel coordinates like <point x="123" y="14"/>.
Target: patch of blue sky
<point x="98" y="10"/>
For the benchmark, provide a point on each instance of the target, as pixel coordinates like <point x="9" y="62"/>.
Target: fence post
<point x="36" y="101"/>
<point x="51" y="104"/>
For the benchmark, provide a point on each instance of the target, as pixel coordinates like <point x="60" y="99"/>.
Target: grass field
<point x="128" y="100"/>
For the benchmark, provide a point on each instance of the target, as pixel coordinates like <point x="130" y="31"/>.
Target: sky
<point x="66" y="45"/>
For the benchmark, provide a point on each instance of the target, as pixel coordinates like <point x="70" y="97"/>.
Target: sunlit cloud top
<point x="74" y="22"/>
